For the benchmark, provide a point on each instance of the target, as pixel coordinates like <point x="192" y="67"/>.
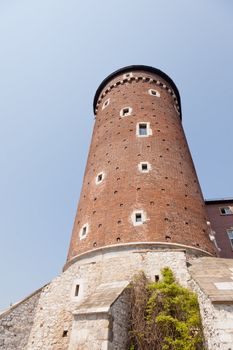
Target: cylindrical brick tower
<point x="140" y="184"/>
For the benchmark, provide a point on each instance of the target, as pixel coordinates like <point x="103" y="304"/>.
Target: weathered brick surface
<point x="169" y="194"/>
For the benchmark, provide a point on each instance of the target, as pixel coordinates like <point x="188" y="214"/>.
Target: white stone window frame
<point x="142" y="170"/>
<point x="228" y="209"/>
<point x="148" y="128"/>
<point x="78" y="297"/>
<point x="123" y="114"/>
<point x="105" y="103"/>
<point x="97" y="181"/>
<point x="154" y="93"/>
<point x="128" y="75"/>
<point x="81" y="235"/>
<point x="143" y="216"/>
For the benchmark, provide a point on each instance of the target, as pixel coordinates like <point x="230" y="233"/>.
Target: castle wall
<point x="17" y="322"/>
<point x="97" y="318"/>
<point x="57" y="303"/>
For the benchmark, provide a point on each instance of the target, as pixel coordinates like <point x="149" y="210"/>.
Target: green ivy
<point x="164" y="315"/>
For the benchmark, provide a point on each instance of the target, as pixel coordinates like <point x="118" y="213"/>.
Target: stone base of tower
<point x="86" y="307"/>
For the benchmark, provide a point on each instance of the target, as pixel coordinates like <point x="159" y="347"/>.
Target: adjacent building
<point x="220" y="214"/>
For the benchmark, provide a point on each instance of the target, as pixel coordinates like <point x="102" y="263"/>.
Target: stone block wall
<point x="120" y="322"/>
<point x="57" y="303"/>
<point x="50" y="319"/>
<point x="16" y="323"/>
<point x="90" y="331"/>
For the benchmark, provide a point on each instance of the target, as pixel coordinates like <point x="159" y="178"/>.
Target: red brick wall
<point x="220" y="224"/>
<point x="169" y="194"/>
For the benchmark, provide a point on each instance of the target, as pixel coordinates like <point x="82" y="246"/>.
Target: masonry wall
<point x="217" y="320"/>
<point x="90" y="332"/>
<point x="57" y="302"/>
<point x="16" y="323"/>
<point x="49" y="319"/>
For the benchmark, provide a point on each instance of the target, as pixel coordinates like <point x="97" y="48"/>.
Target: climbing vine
<point x="164" y="315"/>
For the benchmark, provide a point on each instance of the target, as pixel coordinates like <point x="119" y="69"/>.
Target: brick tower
<point x="141" y="209"/>
<point x="140" y="184"/>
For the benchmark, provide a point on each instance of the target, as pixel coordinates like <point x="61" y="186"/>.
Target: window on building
<point x="65" y="333"/>
<point x="126" y="111"/>
<point x="226" y="211"/>
<point x="106" y="103"/>
<point x="142" y="129"/>
<point x="76" y="292"/>
<point x="99" y="178"/>
<point x="144" y="167"/>
<point x="230" y="235"/>
<point x="138" y="217"/>
<point x="83" y="232"/>
<point x="154" y="92"/>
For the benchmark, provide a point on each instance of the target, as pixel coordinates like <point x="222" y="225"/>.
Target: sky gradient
<point x="54" y="55"/>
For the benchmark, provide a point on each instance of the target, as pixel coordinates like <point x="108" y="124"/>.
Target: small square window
<point x="65" y="333"/>
<point x="230" y="236"/>
<point x="153" y="92"/>
<point x="138" y="217"/>
<point x="144" y="167"/>
<point x="100" y="176"/>
<point x="142" y="129"/>
<point x="226" y="210"/>
<point x="125" y="111"/>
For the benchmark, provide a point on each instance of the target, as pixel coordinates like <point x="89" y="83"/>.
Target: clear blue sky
<point x="54" y="54"/>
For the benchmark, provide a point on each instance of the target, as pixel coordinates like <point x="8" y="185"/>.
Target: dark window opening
<point x="100" y="177"/>
<point x="144" y="167"/>
<point x="76" y="290"/>
<point x="125" y="111"/>
<point x="138" y="217"/>
<point x="65" y="333"/>
<point x="156" y="278"/>
<point x="84" y="231"/>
